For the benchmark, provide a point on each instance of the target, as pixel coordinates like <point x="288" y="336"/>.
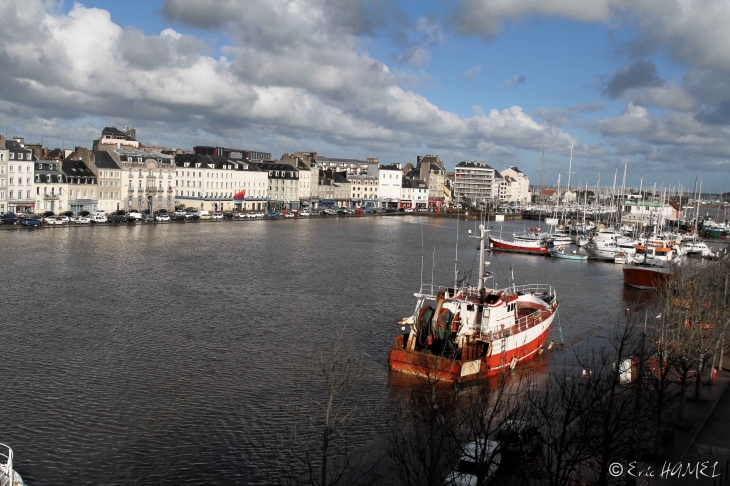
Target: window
<point x="27" y="167"/>
<point x="10" y="194"/>
<point x="11" y="181"/>
<point x="11" y="167"/>
<point x="27" y="194"/>
<point x="12" y="156"/>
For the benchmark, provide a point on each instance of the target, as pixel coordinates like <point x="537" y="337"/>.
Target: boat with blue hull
<point x="560" y="253"/>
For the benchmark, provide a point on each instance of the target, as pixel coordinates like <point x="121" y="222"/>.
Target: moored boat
<point x="8" y="477"/>
<point x="560" y="253"/>
<point x="650" y="268"/>
<point x="467" y="333"/>
<point x="537" y="247"/>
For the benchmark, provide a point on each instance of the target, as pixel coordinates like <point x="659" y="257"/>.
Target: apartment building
<point x="4" y="155"/>
<point x="473" y="181"/>
<point x="390" y="183"/>
<point x="363" y="190"/>
<point x="217" y="183"/>
<point x="51" y="186"/>
<point x="21" y="182"/>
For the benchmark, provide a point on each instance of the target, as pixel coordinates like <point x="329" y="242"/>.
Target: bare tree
<point x="329" y="412"/>
<point x="420" y="433"/>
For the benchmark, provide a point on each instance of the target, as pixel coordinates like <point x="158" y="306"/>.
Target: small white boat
<point x="8" y="477"/>
<point x="621" y="258"/>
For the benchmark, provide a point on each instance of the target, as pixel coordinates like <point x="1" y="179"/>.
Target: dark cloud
<point x="638" y="74"/>
<point x="715" y="115"/>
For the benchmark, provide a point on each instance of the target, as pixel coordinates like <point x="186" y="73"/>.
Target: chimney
<point x="2" y="141"/>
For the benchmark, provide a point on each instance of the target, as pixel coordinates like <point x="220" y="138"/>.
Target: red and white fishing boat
<point x="461" y="334"/>
<point x="535" y="247"/>
<point x="650" y="268"/>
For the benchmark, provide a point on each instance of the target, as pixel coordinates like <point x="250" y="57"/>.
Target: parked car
<point x="216" y="216"/>
<point x="82" y="220"/>
<point x="272" y="214"/>
<point x="242" y="215"/>
<point x="161" y="211"/>
<point x="316" y="213"/>
<point x="53" y="220"/>
<point x="289" y="215"/>
<point x="228" y="215"/>
<point x="305" y="212"/>
<point x="331" y="212"/>
<point x="204" y="214"/>
<point x="31" y="222"/>
<point x="359" y="211"/>
<point x="135" y="215"/>
<point x="64" y="219"/>
<point x="162" y="218"/>
<point x="370" y="211"/>
<point x="149" y="218"/>
<point x="408" y="210"/>
<point x="11" y="220"/>
<point x="518" y="439"/>
<point x="99" y="218"/>
<point x="422" y="210"/>
<point x="466" y="472"/>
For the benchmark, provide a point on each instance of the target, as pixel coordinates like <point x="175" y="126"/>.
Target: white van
<point x="204" y="214"/>
<point x="98" y="217"/>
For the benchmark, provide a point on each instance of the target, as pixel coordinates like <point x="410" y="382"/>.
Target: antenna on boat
<point x="420" y="289"/>
<point x="433" y="264"/>
<point x="456" y="257"/>
<point x="512" y="276"/>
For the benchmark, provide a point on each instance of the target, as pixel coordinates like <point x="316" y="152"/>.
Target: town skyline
<point x="390" y="80"/>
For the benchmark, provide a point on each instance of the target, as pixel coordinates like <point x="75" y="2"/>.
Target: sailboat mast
<point x="482" y="232"/>
<point x="570" y="165"/>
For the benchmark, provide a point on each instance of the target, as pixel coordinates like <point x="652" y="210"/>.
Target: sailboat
<point x="463" y="333"/>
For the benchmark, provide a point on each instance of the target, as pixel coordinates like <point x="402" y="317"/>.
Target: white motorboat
<point x="695" y="248"/>
<point x="8" y="477"/>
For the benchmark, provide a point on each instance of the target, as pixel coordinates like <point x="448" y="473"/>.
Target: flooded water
<point x="162" y="354"/>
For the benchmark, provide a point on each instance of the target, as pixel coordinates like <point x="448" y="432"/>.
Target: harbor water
<point x="163" y="354"/>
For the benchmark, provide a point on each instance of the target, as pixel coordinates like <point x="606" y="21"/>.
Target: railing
<point x="51" y="196"/>
<point x="6" y="461"/>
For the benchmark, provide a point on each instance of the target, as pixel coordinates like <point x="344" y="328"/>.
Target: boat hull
<point x="556" y="254"/>
<point x="503" y="354"/>
<point x="517" y="247"/>
<point x="645" y="277"/>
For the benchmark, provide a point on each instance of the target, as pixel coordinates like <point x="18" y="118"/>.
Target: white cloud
<point x="306" y="80"/>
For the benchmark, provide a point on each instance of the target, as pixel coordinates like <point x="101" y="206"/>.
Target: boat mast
<point x="456" y="257"/>
<point x="482" y="233"/>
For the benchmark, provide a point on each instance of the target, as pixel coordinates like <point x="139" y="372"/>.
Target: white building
<point x="21" y="180"/>
<point x="283" y="182"/>
<point x="109" y="178"/>
<point x="51" y="187"/>
<point x="519" y="185"/>
<point x="390" y="183"/>
<point x="474" y="181"/>
<point x="647" y="213"/>
<point x="414" y="194"/>
<point x="216" y="183"/>
<point x="4" y="155"/>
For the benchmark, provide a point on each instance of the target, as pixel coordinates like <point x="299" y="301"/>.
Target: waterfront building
<point x="342" y="189"/>
<point x="51" y="186"/>
<point x="325" y="191"/>
<point x="349" y="166"/>
<point x="519" y="185"/>
<point x="431" y="170"/>
<point x="82" y="186"/>
<point x="390" y="183"/>
<point x="363" y="190"/>
<point x="113" y="137"/>
<point x="216" y="183"/>
<point x="232" y="153"/>
<point x="501" y="187"/>
<point x="283" y="184"/>
<point x="646" y="213"/>
<point x="473" y="181"/>
<point x="109" y="177"/>
<point x="305" y="162"/>
<point x="21" y="182"/>
<point x="4" y="155"/>
<point x="414" y="194"/>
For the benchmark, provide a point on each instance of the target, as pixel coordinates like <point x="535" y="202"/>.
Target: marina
<point x="102" y="391"/>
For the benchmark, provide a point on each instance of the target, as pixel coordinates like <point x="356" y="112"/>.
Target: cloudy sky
<point x="640" y="82"/>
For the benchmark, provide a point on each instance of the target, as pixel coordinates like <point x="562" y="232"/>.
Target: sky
<point x="640" y="84"/>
